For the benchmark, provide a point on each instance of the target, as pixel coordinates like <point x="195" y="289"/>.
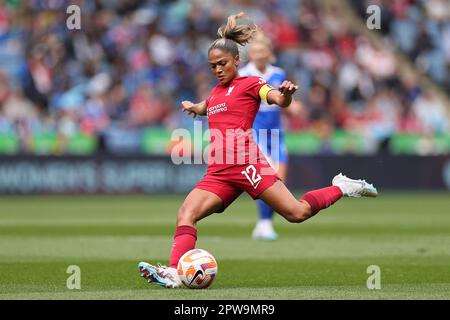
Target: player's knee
<point x="294" y="218"/>
<point x="185" y="215"/>
<point x="297" y="215"/>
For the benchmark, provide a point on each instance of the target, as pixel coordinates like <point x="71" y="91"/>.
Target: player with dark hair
<point x="235" y="162"/>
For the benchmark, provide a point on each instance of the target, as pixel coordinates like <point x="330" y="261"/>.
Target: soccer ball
<point x="197" y="269"/>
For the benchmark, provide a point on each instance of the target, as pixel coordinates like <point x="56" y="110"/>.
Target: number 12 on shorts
<point x="252" y="176"/>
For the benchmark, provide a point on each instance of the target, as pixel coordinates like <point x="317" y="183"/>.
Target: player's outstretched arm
<point x="194" y="109"/>
<point x="282" y="97"/>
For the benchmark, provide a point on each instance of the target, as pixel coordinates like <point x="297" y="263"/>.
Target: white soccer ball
<point x="197" y="269"/>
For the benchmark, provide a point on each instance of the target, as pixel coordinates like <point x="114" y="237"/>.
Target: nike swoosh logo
<point x="198" y="273"/>
<point x="256" y="185"/>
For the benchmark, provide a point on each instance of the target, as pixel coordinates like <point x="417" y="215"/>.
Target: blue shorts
<point x="277" y="152"/>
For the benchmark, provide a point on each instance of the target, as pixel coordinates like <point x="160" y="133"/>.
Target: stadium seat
<point x="9" y="143"/>
<point x="155" y="140"/>
<point x="348" y="142"/>
<point x="404" y="143"/>
<point x="81" y="144"/>
<point x="302" y="142"/>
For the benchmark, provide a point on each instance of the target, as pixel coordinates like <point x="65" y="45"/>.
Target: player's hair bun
<point x="240" y="34"/>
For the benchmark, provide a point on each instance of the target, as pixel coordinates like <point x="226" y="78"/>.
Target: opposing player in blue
<point x="267" y="125"/>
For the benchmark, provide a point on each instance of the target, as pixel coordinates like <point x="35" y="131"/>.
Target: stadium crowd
<point x="421" y="30"/>
<point x="133" y="62"/>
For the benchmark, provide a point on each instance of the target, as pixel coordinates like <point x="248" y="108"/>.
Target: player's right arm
<point x="195" y="109"/>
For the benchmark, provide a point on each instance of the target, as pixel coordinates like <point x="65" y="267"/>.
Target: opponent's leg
<point x="197" y="205"/>
<point x="264" y="227"/>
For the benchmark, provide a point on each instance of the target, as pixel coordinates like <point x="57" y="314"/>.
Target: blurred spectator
<point x="146" y="108"/>
<point x="420" y="29"/>
<point x="431" y="112"/>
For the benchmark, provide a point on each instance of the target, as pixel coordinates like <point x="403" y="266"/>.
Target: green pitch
<point x="407" y="235"/>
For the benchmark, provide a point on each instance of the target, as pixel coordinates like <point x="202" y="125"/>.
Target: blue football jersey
<point x="268" y="116"/>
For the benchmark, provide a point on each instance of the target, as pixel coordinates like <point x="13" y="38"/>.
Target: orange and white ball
<point x="197" y="269"/>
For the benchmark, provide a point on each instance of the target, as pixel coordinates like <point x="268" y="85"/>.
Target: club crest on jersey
<point x="230" y="89"/>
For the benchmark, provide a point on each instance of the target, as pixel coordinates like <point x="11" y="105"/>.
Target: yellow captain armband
<point x="264" y="91"/>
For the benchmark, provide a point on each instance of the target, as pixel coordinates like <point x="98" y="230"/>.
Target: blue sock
<point x="265" y="212"/>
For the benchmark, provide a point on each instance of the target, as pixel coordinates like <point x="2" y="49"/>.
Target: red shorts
<point x="228" y="184"/>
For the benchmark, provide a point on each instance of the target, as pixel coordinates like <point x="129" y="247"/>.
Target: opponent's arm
<point x="195" y="109"/>
<point x="282" y="97"/>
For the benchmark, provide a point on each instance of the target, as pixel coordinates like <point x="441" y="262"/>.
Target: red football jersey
<point x="231" y="110"/>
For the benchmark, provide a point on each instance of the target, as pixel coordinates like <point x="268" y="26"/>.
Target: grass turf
<point x="406" y="234"/>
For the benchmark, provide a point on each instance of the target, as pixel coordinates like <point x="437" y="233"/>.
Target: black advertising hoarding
<point x="68" y="175"/>
<point x="135" y="174"/>
<point x="385" y="172"/>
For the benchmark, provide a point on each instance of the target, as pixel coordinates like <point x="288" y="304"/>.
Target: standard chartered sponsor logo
<point x="217" y="108"/>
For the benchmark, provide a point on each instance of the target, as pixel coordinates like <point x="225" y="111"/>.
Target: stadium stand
<point x="116" y="84"/>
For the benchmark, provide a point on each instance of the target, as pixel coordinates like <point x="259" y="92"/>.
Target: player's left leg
<point x="293" y="210"/>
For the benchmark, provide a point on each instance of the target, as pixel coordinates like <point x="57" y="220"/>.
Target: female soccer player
<point x="267" y="125"/>
<point x="235" y="162"/>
